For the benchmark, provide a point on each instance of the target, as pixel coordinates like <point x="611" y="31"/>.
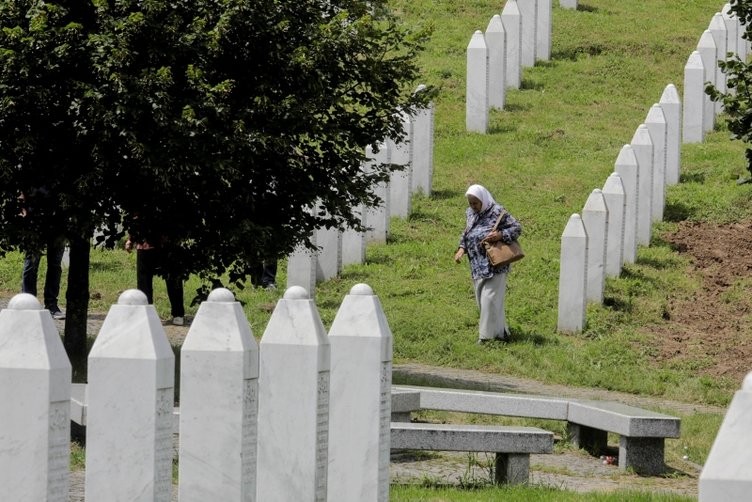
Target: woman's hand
<point x="458" y="255"/>
<point x="493" y="236"/>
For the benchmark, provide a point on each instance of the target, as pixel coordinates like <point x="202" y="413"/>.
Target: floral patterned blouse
<point x="477" y="228"/>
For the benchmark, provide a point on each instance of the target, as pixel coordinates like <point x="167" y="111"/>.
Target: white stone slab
<point x="616" y="202"/>
<point x="497" y="56"/>
<point x="361" y="386"/>
<point x="672" y="105"/>
<point x="422" y="164"/>
<point x="35" y="392"/>
<point x="293" y="413"/>
<point x="626" y="167"/>
<point x="400" y="182"/>
<point x="354" y="242"/>
<point x="218" y="404"/>
<point x="529" y="12"/>
<point x="543" y="30"/>
<point x="378" y="217"/>
<point x="573" y="276"/>
<point x="623" y="419"/>
<point x="489" y="403"/>
<point x="658" y="127"/>
<point x="718" y="29"/>
<point x="726" y="474"/>
<point x="512" y="21"/>
<point x="642" y="144"/>
<point x="595" y="219"/>
<point x="476" y="98"/>
<point x="130" y="398"/>
<point x="301" y="268"/>
<point x="693" y="130"/>
<point x="708" y="51"/>
<point x="329" y="256"/>
<point x="568" y="4"/>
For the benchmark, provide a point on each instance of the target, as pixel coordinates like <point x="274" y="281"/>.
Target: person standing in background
<point x="54" y="252"/>
<point x="149" y="262"/>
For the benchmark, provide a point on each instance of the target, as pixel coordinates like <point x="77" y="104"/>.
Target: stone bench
<point x="512" y="445"/>
<point x="641" y="432"/>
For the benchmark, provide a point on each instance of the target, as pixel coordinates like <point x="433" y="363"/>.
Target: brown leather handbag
<point x="499" y="253"/>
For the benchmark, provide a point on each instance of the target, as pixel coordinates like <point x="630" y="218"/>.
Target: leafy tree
<point x="228" y="130"/>
<point x="737" y="100"/>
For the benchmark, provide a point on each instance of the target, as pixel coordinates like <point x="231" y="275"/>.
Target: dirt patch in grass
<point x="713" y="326"/>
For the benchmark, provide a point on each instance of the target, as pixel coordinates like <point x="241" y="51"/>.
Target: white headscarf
<point x="481" y="193"/>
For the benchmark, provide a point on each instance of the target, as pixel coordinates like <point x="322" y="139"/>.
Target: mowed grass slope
<point x="556" y="140"/>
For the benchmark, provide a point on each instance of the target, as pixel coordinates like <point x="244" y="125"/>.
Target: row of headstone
<point x="646" y="166"/>
<point x="619" y="216"/>
<point x="514" y="39"/>
<point x="337" y="249"/>
<point x="723" y="475"/>
<point x="722" y="39"/>
<point x="301" y="416"/>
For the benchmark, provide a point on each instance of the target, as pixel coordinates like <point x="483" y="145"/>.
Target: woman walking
<point x="489" y="282"/>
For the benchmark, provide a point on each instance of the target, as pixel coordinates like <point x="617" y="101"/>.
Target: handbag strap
<point x="498" y="220"/>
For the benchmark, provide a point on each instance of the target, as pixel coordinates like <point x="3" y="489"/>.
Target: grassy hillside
<point x="556" y="140"/>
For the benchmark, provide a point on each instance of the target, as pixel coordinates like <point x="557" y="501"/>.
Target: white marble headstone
<point x="400" y="182"/>
<point x="378" y="217"/>
<point x="658" y="127"/>
<point x="616" y="203"/>
<point x="573" y="276"/>
<point x="423" y="122"/>
<point x="543" y="30"/>
<point x="354" y="242"/>
<point x="595" y="219"/>
<point x="35" y="392"/>
<point x="497" y="55"/>
<point x="476" y="99"/>
<point x="732" y="27"/>
<point x="642" y="144"/>
<point x="693" y="129"/>
<point x="708" y="52"/>
<point x="301" y="267"/>
<point x="293" y="413"/>
<point x="718" y="29"/>
<point x="218" y="404"/>
<point x="672" y="105"/>
<point x="329" y="256"/>
<point x="529" y="12"/>
<point x="130" y="398"/>
<point x="360" y="414"/>
<point x="626" y="167"/>
<point x="726" y="474"/>
<point x="512" y="21"/>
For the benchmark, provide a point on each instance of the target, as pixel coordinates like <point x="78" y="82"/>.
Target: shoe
<point x="482" y="341"/>
<point x="270" y="287"/>
<point x="178" y="321"/>
<point x="57" y="314"/>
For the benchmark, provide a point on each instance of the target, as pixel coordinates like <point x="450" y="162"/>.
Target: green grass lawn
<point x="556" y="141"/>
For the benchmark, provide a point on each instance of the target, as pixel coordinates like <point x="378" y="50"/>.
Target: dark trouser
<point x="264" y="274"/>
<point x="55" y="250"/>
<point x="148" y="262"/>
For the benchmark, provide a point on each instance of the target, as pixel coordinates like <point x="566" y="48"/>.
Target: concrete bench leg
<point x="643" y="455"/>
<point x="512" y="468"/>
<point x="593" y="441"/>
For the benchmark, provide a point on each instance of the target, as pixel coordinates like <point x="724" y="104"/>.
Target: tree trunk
<point x="77" y="307"/>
